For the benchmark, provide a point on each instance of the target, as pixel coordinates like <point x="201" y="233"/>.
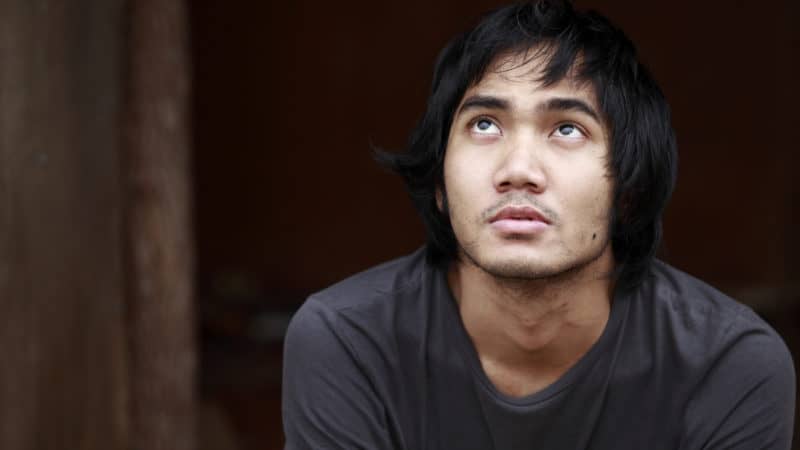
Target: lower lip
<point x="513" y="226"/>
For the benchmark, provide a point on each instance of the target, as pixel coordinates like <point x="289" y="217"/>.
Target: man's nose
<point x="521" y="166"/>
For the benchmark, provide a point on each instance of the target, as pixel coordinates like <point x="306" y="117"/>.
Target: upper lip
<point x="519" y="213"/>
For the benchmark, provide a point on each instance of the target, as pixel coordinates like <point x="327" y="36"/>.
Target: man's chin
<point x="518" y="267"/>
<point x="529" y="267"/>
<point x="518" y="270"/>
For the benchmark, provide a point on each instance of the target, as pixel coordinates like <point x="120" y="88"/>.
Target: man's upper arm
<point x="747" y="400"/>
<point x="328" y="400"/>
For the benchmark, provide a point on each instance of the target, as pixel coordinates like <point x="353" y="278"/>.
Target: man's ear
<point x="439" y="199"/>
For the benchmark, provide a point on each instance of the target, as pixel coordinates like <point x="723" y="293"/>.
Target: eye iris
<point x="566" y="129"/>
<point x="484" y="125"/>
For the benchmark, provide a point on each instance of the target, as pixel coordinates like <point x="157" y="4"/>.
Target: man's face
<point x="525" y="174"/>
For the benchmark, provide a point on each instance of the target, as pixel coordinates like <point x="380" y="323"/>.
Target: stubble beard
<point x="571" y="267"/>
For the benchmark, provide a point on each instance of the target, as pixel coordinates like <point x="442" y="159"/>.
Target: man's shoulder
<point x="738" y="371"/>
<point x="362" y="317"/>
<point x="707" y="324"/>
<point x="343" y="353"/>
<point x="697" y="301"/>
<point x="378" y="284"/>
<point x="369" y="302"/>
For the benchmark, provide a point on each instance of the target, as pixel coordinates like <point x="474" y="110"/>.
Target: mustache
<point x="520" y="199"/>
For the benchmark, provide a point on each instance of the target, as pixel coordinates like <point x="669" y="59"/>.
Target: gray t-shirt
<point x="382" y="361"/>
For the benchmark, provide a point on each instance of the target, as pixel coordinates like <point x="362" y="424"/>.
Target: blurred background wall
<point x="177" y="177"/>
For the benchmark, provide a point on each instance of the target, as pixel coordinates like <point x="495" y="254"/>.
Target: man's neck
<point x="530" y="332"/>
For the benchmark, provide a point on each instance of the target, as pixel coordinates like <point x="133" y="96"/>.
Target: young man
<point x="536" y="317"/>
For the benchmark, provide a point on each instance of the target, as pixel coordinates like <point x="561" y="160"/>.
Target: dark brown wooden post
<point x="158" y="218"/>
<point x="63" y="375"/>
<point x="96" y="323"/>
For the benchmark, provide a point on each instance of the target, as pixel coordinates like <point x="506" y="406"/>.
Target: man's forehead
<point x="524" y="72"/>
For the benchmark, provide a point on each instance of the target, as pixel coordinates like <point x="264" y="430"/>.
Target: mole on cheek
<point x="594" y="236"/>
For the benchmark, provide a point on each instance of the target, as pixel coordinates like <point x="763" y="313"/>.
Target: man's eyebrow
<point x="484" y="102"/>
<point x="569" y="104"/>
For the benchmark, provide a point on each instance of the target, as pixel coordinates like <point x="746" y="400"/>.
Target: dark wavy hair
<point x="588" y="48"/>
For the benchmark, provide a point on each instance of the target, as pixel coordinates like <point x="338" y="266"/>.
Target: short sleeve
<point x="747" y="399"/>
<point x="328" y="399"/>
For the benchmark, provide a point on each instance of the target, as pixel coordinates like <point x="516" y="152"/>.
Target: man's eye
<point x="568" y="130"/>
<point x="485" y="126"/>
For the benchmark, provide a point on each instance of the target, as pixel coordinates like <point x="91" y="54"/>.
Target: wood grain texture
<point x="63" y="382"/>
<point x="158" y="219"/>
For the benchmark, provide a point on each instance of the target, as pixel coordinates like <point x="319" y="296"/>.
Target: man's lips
<point x="527" y="213"/>
<point x="519" y="220"/>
